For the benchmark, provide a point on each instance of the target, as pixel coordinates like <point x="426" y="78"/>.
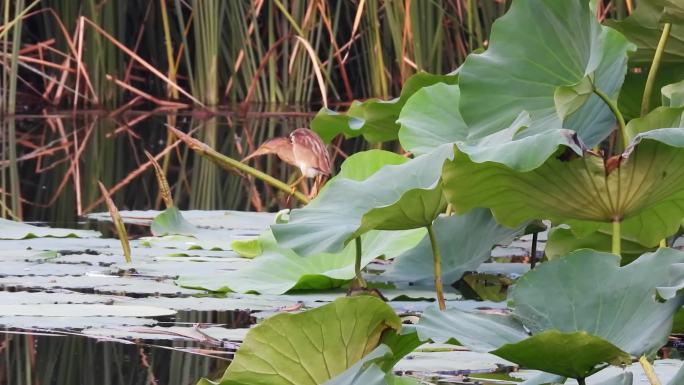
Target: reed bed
<point x="225" y="69"/>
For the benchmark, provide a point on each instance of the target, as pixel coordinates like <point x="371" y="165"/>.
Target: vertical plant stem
<point x="360" y="282"/>
<point x="437" y="260"/>
<point x="581" y="381"/>
<point x="648" y="370"/>
<point x="653" y="71"/>
<point x="618" y="115"/>
<point x="615" y="249"/>
<point x="663" y="243"/>
<point x="533" y="251"/>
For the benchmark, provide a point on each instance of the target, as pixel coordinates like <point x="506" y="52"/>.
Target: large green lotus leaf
<point x="396" y="197"/>
<point x="312" y="347"/>
<point x="623" y="309"/>
<point x="465" y="241"/>
<point x="529" y="56"/>
<point x="644" y="28"/>
<point x="375" y="119"/>
<point x="431" y="118"/>
<point x="366" y="370"/>
<point x="673" y="94"/>
<point x="278" y="269"/>
<point x="479" y="332"/>
<point x="646" y="191"/>
<point x="574" y="355"/>
<point x="562" y="240"/>
<point x="19" y="230"/>
<point x="361" y="165"/>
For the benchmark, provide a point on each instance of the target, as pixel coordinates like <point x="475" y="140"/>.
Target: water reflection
<point x="60" y="158"/>
<point x="27" y="359"/>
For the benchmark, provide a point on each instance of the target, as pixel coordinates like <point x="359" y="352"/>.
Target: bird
<point x="302" y="148"/>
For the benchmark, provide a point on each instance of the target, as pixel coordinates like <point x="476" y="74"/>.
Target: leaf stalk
<point x="653" y="71"/>
<point x="437" y="261"/>
<point x="359" y="283"/>
<point x="615" y="249"/>
<point x="648" y="370"/>
<point x="612" y="104"/>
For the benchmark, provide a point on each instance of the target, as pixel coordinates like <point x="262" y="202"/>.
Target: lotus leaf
<point x="375" y="119"/>
<point x="278" y="269"/>
<point x="403" y="196"/>
<point x="431" y="118"/>
<point x="580" y="191"/>
<point x="562" y="240"/>
<point x="465" y="242"/>
<point x="624" y="310"/>
<point x="529" y="56"/>
<point x="575" y="354"/>
<point x="673" y="94"/>
<point x="315" y="346"/>
<point x="19" y="230"/>
<point x="644" y="28"/>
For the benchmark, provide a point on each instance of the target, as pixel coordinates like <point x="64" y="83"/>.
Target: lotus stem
<point x="663" y="243"/>
<point x="360" y="282"/>
<point x="533" y="251"/>
<point x="581" y="381"/>
<point x="229" y="163"/>
<point x="437" y="260"/>
<point x="615" y="249"/>
<point x="612" y="104"/>
<point x="648" y="370"/>
<point x="653" y="71"/>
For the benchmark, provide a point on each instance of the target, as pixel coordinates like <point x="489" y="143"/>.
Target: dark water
<point x="27" y="359"/>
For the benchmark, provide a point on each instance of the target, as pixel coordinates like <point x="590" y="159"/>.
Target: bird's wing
<point x="308" y="148"/>
<point x="279" y="146"/>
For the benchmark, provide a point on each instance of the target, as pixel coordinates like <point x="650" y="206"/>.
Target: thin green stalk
<point x="648" y="370"/>
<point x="360" y="282"/>
<point x="653" y="71"/>
<point x="437" y="261"/>
<point x="618" y="115"/>
<point x="231" y="163"/>
<point x="615" y="247"/>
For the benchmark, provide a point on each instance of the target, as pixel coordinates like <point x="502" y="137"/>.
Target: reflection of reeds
<point x="175" y="54"/>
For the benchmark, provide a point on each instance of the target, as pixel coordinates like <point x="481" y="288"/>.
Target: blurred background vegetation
<point x="87" y="85"/>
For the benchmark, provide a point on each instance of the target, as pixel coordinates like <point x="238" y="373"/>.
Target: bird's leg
<point x="293" y="188"/>
<point x="294" y="185"/>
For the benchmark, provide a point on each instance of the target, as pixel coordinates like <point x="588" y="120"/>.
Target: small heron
<point x="303" y="148"/>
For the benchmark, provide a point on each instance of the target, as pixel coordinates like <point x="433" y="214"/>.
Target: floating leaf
<point x="530" y="56"/>
<point x="278" y="269"/>
<point x="375" y="119"/>
<point x="582" y="191"/>
<point x="312" y="347"/>
<point x="18" y="230"/>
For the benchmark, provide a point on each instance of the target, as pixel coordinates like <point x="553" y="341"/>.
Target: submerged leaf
<point x="18" y="230"/>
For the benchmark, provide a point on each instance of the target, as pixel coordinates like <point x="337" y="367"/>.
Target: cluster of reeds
<point x="169" y="55"/>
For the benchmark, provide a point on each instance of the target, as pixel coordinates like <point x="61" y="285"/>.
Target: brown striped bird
<point x="303" y="148"/>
